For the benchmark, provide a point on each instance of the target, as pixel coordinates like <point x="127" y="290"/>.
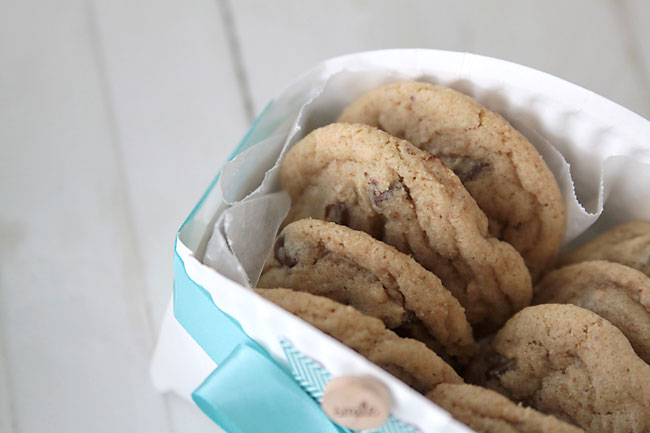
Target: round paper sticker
<point x="357" y="402"/>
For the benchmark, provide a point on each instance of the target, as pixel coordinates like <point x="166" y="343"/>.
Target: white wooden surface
<point x="114" y="117"/>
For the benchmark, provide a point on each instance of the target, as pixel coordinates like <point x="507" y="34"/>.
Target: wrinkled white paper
<point x="246" y="230"/>
<point x="583" y="154"/>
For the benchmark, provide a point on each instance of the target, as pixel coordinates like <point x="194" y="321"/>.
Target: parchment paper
<point x="590" y="160"/>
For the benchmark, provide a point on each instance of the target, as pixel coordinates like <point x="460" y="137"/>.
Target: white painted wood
<point x="76" y="345"/>
<point x="178" y="114"/>
<point x="174" y="95"/>
<point x="581" y="41"/>
<point x="6" y="403"/>
<point x="636" y="14"/>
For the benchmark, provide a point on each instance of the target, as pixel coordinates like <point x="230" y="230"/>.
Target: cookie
<point x="352" y="268"/>
<point x="571" y="363"/>
<point x="366" y="179"/>
<point x="627" y="244"/>
<point x="408" y="360"/>
<point x="615" y="292"/>
<point x="486" y="411"/>
<point x="499" y="167"/>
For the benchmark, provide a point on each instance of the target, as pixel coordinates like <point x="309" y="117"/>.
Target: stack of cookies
<point x="420" y="223"/>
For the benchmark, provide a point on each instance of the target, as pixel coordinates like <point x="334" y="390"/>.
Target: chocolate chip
<point x="527" y="402"/>
<point x="497" y="365"/>
<point x="467" y="169"/>
<point x="379" y="197"/>
<point x="337" y="213"/>
<point x="377" y="225"/>
<point x="280" y="253"/>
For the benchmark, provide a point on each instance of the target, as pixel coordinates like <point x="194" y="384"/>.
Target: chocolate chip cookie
<point x="364" y="178"/>
<point x="569" y="362"/>
<point x="616" y="292"/>
<point x="408" y="360"/>
<point x="486" y="411"/>
<point x="351" y="267"/>
<point x="499" y="167"/>
<point x="627" y="244"/>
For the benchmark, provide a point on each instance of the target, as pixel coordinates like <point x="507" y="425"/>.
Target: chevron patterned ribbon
<point x="313" y="379"/>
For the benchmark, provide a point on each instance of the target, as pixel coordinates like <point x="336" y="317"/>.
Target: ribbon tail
<point x="249" y="393"/>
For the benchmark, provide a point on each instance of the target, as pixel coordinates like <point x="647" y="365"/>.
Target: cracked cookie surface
<point x="407" y="359"/>
<point x="499" y="167"/>
<point x="615" y="292"/>
<point x="627" y="244"/>
<point x="351" y="267"/>
<point x="569" y="362"/>
<point x="486" y="411"/>
<point x="364" y="178"/>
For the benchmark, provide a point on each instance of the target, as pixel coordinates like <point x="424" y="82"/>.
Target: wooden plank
<point x="178" y="115"/>
<point x="76" y="349"/>
<point x="582" y="41"/>
<point x="6" y="401"/>
<point x="635" y="15"/>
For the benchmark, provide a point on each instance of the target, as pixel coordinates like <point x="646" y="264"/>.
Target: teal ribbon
<point x="248" y="392"/>
<point x="217" y="333"/>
